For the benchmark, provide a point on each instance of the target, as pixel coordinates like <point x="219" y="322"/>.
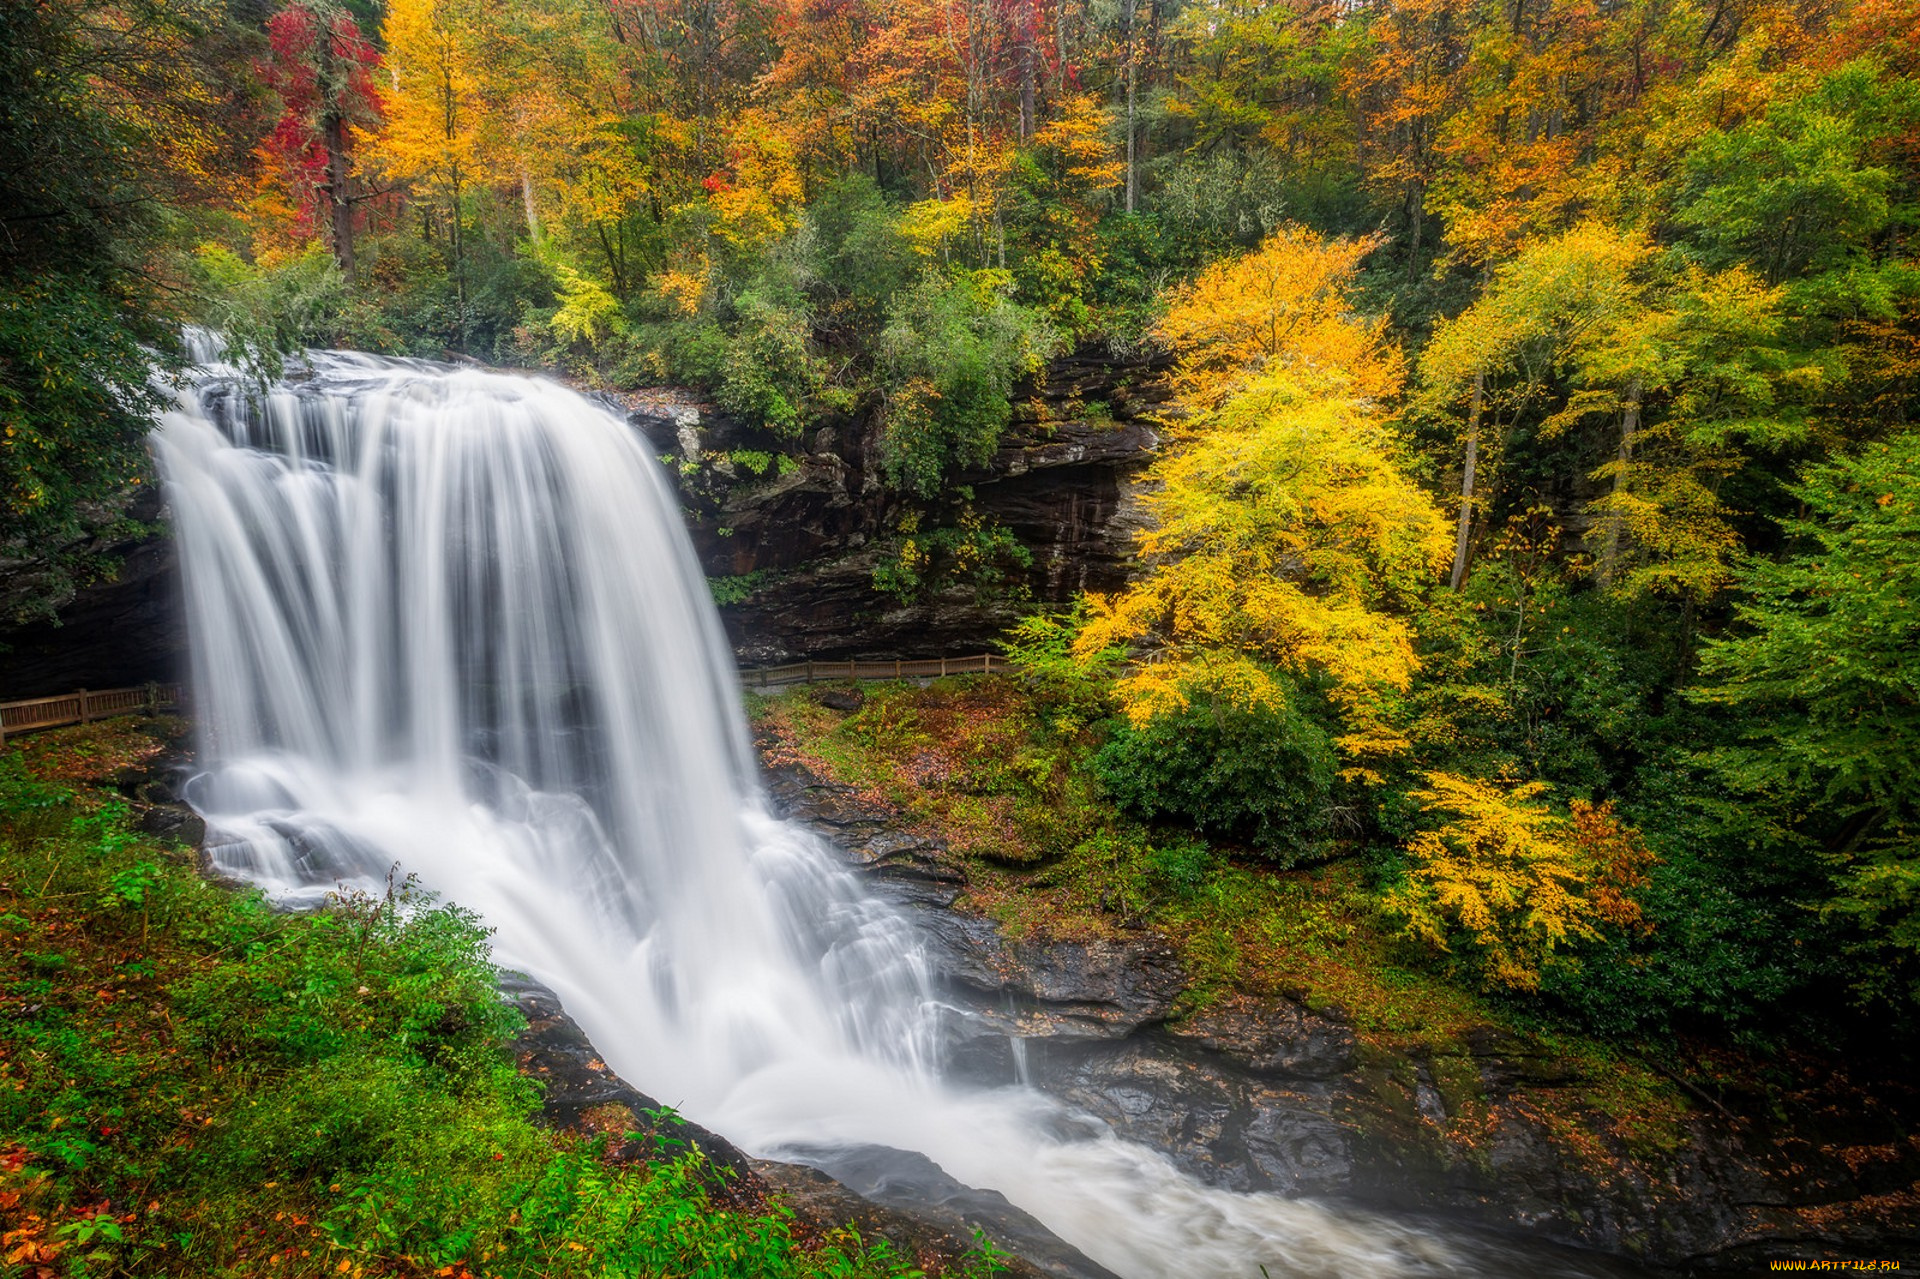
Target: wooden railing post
<point x="84" y="715"/>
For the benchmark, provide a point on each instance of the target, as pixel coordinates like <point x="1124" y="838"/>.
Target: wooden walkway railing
<point x="84" y="707"/>
<point x="924" y="668"/>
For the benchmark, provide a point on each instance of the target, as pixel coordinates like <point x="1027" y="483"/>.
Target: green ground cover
<point x="192" y="1083"/>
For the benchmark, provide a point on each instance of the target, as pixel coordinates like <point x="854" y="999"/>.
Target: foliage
<point x="1285" y="538"/>
<point x="1518" y="881"/>
<point x="1044" y="648"/>
<point x="1261" y="774"/>
<point x="1283" y="314"/>
<point x="769" y="377"/>
<point x="1827" y="649"/>
<point x="199" y="1085"/>
<point x="262" y="313"/>
<point x="949" y="357"/>
<point x="103" y="106"/>
<point x="971" y="552"/>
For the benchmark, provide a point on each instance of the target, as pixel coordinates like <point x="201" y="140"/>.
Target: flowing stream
<point x="451" y="619"/>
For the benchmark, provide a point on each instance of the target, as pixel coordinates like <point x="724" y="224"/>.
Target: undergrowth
<point x="192" y="1083"/>
<point x="1005" y="780"/>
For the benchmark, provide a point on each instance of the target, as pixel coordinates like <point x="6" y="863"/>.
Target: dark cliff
<point x="794" y="549"/>
<point x="123" y="630"/>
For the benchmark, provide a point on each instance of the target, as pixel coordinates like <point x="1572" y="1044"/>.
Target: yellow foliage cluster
<point x="1519" y="879"/>
<point x="759" y="201"/>
<point x="1285" y="305"/>
<point x="1284" y="536"/>
<point x="1082" y="136"/>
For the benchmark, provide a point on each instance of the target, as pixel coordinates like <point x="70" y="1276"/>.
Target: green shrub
<point x="949" y="358"/>
<point x="769" y="376"/>
<point x="973" y="553"/>
<point x="1262" y="776"/>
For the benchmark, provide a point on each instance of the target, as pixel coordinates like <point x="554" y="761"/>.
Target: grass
<point x="192" y="1083"/>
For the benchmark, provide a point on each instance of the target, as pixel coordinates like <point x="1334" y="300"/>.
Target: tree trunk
<point x="1466" y="480"/>
<point x="333" y="135"/>
<point x="1026" y="86"/>
<point x="532" y="208"/>
<point x="339" y="201"/>
<point x="1132" y="85"/>
<point x="1416" y="222"/>
<point x="1629" y="427"/>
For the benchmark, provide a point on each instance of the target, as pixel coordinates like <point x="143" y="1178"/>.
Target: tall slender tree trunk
<point x="532" y="208"/>
<point x="1629" y="427"/>
<point x="1027" y="73"/>
<point x="1132" y="87"/>
<point x="333" y="136"/>
<point x="1466" y="479"/>
<point x="339" y="201"/>
<point x="1416" y="223"/>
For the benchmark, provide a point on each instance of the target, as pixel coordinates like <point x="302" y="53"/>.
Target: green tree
<point x="1828" y="656"/>
<point x="949" y="357"/>
<point x="97" y="115"/>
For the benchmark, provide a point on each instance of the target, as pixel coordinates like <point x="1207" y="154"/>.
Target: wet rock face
<point x="118" y="633"/>
<point x="894" y="1195"/>
<point x="947" y="1212"/>
<point x="1274" y="1095"/>
<point x="804" y="541"/>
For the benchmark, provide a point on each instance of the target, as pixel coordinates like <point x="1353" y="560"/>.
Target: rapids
<point x="450" y="620"/>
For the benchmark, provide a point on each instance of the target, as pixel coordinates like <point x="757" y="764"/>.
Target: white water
<point x="451" y="620"/>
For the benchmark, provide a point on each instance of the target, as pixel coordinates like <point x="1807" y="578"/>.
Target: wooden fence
<point x="83" y="707"/>
<point x="925" y="668"/>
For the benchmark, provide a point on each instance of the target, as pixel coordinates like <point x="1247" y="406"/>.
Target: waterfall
<point x="450" y="620"/>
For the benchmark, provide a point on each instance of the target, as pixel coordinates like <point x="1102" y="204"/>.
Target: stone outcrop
<point x="801" y="544"/>
<point x="117" y="633"/>
<point x="1490" y="1129"/>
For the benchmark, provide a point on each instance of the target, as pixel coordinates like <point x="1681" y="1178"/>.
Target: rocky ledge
<point x="800" y="539"/>
<point x="883" y="1194"/>
<point x="1275" y="1095"/>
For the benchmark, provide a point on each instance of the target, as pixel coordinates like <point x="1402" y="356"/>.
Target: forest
<point x="1538" y="522"/>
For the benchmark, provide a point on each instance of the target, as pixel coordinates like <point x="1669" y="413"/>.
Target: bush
<point x="1263" y="776"/>
<point x="769" y="376"/>
<point x="949" y="358"/>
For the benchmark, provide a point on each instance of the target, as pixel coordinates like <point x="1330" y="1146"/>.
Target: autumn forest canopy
<point x="1537" y="522"/>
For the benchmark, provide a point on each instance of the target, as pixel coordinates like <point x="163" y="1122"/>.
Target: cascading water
<point x="450" y="619"/>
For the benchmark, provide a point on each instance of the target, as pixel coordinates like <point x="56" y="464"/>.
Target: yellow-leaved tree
<point x="1517" y="878"/>
<point x="1286" y="542"/>
<point x="437" y="115"/>
<point x="1286" y="305"/>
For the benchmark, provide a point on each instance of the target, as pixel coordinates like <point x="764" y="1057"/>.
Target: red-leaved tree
<point x="322" y="69"/>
